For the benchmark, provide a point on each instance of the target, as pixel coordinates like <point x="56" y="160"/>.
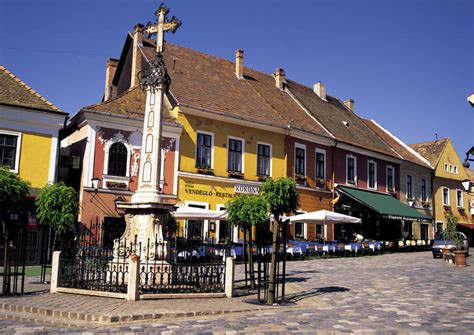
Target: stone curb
<point x="115" y="319"/>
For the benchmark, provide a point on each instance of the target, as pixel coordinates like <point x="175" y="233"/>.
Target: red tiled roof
<point x="14" y="92"/>
<point x="396" y="144"/>
<point x="431" y="150"/>
<point x="344" y="124"/>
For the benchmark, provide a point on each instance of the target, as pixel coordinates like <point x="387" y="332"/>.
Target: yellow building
<point x="29" y="126"/>
<point x="449" y="194"/>
<point x="219" y="160"/>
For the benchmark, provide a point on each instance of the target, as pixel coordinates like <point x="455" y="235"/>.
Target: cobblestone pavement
<point x="396" y="293"/>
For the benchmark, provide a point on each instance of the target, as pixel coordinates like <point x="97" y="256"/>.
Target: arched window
<point x="117" y="160"/>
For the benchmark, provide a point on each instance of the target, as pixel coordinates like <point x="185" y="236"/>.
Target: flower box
<point x="300" y="177"/>
<point x="235" y="174"/>
<point x="205" y="170"/>
<point x="116" y="185"/>
<point x="320" y="183"/>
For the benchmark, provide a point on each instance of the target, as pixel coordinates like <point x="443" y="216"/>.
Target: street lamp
<point x="95" y="183"/>
<point x="468" y="159"/>
<point x="465" y="184"/>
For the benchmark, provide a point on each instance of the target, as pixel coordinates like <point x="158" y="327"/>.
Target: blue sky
<point x="408" y="64"/>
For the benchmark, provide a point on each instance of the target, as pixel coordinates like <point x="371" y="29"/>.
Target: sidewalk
<point x="38" y="305"/>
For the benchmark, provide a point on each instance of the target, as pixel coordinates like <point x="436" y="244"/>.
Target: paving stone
<point x="395" y="293"/>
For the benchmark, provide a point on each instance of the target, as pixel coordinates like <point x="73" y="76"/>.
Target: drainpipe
<point x="58" y="150"/>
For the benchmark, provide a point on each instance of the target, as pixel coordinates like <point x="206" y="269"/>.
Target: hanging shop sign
<point x="246" y="189"/>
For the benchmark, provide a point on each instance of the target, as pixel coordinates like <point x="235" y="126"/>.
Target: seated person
<point x="357" y="238"/>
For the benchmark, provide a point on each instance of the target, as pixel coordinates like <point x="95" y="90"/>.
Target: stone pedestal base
<point x="145" y="228"/>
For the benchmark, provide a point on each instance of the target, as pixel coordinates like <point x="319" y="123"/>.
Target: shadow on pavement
<point x="295" y="297"/>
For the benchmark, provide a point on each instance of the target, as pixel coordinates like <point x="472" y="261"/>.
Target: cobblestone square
<point x="393" y="293"/>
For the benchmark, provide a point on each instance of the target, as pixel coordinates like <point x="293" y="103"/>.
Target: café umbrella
<point x="193" y="213"/>
<point x="324" y="217"/>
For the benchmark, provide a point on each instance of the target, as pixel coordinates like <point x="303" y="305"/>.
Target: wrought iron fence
<point x="12" y="262"/>
<point x="176" y="267"/>
<point x="96" y="268"/>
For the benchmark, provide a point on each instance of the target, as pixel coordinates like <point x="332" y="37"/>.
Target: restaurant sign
<point x="400" y="217"/>
<point x="246" y="189"/>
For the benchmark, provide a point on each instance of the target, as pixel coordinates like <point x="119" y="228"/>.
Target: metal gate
<point x="13" y="261"/>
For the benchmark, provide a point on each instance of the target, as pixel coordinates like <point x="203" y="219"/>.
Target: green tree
<point x="13" y="191"/>
<point x="246" y="212"/>
<point x="451" y="232"/>
<point x="170" y="227"/>
<point x="282" y="198"/>
<point x="57" y="206"/>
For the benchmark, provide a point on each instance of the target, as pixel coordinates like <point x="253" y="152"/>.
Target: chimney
<point x="349" y="104"/>
<point x="136" y="54"/>
<point x="280" y="78"/>
<point x="110" y="68"/>
<point x="239" y="64"/>
<point x="320" y="89"/>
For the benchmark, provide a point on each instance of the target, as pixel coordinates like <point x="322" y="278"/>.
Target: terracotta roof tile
<point x="396" y="144"/>
<point x="209" y="83"/>
<point x="14" y="92"/>
<point x="130" y="103"/>
<point x="344" y="124"/>
<point x="470" y="173"/>
<point x="431" y="150"/>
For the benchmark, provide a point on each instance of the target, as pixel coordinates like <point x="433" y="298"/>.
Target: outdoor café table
<point x="293" y="249"/>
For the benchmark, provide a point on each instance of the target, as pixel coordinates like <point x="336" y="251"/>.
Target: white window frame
<point x="319" y="151"/>
<point x="455" y="168"/>
<point x="371" y="161"/>
<point x="243" y="151"/>
<point x="219" y="207"/>
<point x="459" y="205"/>
<point x="205" y="229"/>
<point x="426" y="190"/>
<point x="448" y="202"/>
<point x="18" y="147"/>
<point x="300" y="146"/>
<point x="413" y="196"/>
<point x="390" y="167"/>
<point x="271" y="156"/>
<point x="347" y="169"/>
<point x="446" y="167"/>
<point x="305" y="225"/>
<point x="106" y="160"/>
<point x="212" y="146"/>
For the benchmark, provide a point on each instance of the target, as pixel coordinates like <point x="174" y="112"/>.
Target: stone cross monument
<point x="147" y="212"/>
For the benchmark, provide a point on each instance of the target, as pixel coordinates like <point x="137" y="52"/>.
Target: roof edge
<point x="31" y="90"/>
<point x="411" y="150"/>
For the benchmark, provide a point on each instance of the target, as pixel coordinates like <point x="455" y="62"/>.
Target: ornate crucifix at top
<point x="161" y="26"/>
<point x="155" y="80"/>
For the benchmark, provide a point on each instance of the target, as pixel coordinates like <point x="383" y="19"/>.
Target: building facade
<point x="232" y="127"/>
<point x="416" y="176"/>
<point x="449" y="195"/>
<point x="29" y="127"/>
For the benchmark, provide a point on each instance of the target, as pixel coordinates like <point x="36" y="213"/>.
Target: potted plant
<point x="452" y="234"/>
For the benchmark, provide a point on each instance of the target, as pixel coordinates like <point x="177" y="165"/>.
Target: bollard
<point x="133" y="278"/>
<point x="229" y="276"/>
<point x="55" y="271"/>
